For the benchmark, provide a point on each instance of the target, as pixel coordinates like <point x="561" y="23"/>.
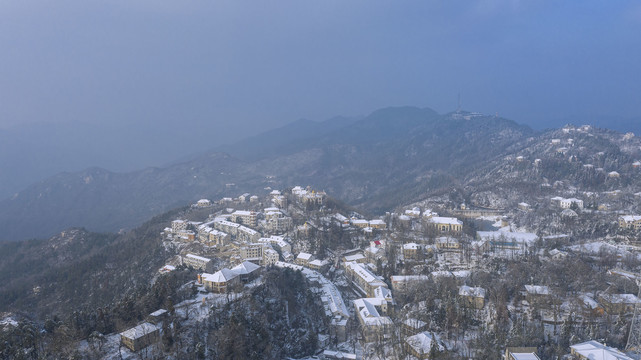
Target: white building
<point x="363" y="279"/>
<point x="371" y="315"/>
<point x="421" y="344"/>
<point x="564" y="203"/>
<point x="593" y="350"/>
<point x="244" y="217"/>
<point x="276" y="221"/>
<point x="203" y="203"/>
<point x="278" y="242"/>
<point x="211" y="236"/>
<point x="446" y="224"/>
<point x="261" y="252"/>
<point x="178" y="225"/>
<point x="197" y="262"/>
<point x="304" y="258"/>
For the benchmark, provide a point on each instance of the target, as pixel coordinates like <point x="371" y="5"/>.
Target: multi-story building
<point x="371" y="316"/>
<point x="377" y="224"/>
<point x="246" y="234"/>
<point x="412" y="251"/>
<point x="422" y="344"/>
<point x="280" y="201"/>
<point x="318" y="264"/>
<point x="141" y="336"/>
<point x="217" y="237"/>
<point x="375" y="251"/>
<point x="270" y="256"/>
<point x="203" y="203"/>
<point x="244" y="217"/>
<point x="197" y="262"/>
<point x="278" y="242"/>
<point x="414" y="212"/>
<point x="618" y="303"/>
<point x="413" y="326"/>
<point x="210" y="236"/>
<point x="247" y="270"/>
<point x="363" y="278"/>
<point x="472" y="297"/>
<point x="261" y="253"/>
<point x="221" y="280"/>
<point x="277" y="222"/>
<point x="564" y="203"/>
<point x="504" y="240"/>
<point x="630" y="222"/>
<point x="538" y="294"/>
<point x="226" y="226"/>
<point x="178" y="225"/>
<point x="446" y="243"/>
<point x="252" y="252"/>
<point x="360" y="223"/>
<point x="446" y="224"/>
<point x="186" y="235"/>
<point x="309" y="196"/>
<point x="303" y="259"/>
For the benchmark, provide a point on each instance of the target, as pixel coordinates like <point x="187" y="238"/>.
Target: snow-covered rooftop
<point x="446" y="220"/>
<point x="519" y="237"/>
<point x="411" y="246"/>
<point x="199" y="258"/>
<point x="621" y="298"/>
<point x="471" y="291"/>
<point x="355" y="257"/>
<point x="414" y="323"/>
<point x="631" y="218"/>
<point x="221" y="276"/>
<point x="139" y="331"/>
<point x="158" y="312"/>
<point x="594" y="350"/>
<point x="537" y="289"/>
<point x="524" y="356"/>
<point x="363" y="272"/>
<point x="422" y="342"/>
<point x="366" y="308"/>
<point x="246" y="267"/>
<point x="318" y="263"/>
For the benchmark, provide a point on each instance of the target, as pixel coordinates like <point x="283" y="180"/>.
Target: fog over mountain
<point x="123" y="86"/>
<point x="417" y="147"/>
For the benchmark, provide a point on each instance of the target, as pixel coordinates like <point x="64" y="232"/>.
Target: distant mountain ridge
<point x="376" y="162"/>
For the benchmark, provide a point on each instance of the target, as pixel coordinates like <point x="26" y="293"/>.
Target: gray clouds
<point x="235" y="68"/>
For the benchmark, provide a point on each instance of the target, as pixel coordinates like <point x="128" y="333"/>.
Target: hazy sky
<point x="253" y="65"/>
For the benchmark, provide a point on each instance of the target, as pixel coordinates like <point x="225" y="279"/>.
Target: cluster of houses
<point x="242" y="231"/>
